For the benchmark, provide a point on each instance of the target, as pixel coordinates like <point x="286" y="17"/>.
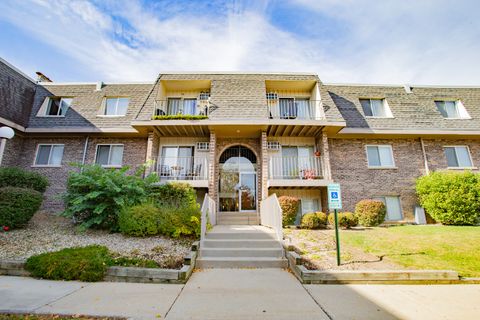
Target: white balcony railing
<point x="177" y="107"/>
<point x="181" y="168"/>
<point x="307" y="168"/>
<point x="295" y="109"/>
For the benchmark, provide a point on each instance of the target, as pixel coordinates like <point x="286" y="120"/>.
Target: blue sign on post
<point x="334" y="196"/>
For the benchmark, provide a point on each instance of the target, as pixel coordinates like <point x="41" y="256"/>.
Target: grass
<point x="422" y="247"/>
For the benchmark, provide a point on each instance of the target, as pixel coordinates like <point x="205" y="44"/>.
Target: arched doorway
<point x="238" y="180"/>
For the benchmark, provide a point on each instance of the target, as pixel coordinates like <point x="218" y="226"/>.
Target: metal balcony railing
<point x="286" y="108"/>
<point x="307" y="168"/>
<point x="181" y="168"/>
<point x="177" y="107"/>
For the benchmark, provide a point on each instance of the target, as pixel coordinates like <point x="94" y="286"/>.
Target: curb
<point x="123" y="274"/>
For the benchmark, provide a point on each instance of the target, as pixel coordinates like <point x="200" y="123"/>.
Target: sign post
<point x="335" y="203"/>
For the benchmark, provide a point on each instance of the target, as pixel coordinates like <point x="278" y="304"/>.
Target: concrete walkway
<point x="240" y="294"/>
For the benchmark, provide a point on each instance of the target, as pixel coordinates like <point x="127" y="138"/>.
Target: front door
<point x="248" y="192"/>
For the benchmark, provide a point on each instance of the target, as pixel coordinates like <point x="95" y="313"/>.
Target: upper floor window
<point x="109" y="155"/>
<point x="49" y="155"/>
<point x="380" y="156"/>
<point x="116" y="106"/>
<point x="376" y="108"/>
<point x="458" y="157"/>
<point x="55" y="107"/>
<point x="452" y="109"/>
<point x="182" y="106"/>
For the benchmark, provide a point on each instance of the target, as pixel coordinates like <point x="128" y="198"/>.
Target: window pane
<point x="373" y="156"/>
<point x="394" y="209"/>
<point x="451" y="109"/>
<point x="57" y="154"/>
<point x="122" y="106"/>
<point x="378" y="109"/>
<point x="102" y="155"/>
<point x="366" y="107"/>
<point x="288" y="109"/>
<point x="463" y="157"/>
<point x="303" y="108"/>
<point x="53" y="107"/>
<point x="64" y="105"/>
<point x="190" y="106"/>
<point x="43" y="155"/>
<point x="385" y="154"/>
<point x="451" y="157"/>
<point x="116" y="156"/>
<point x="441" y="108"/>
<point x="111" y="106"/>
<point x="173" y="106"/>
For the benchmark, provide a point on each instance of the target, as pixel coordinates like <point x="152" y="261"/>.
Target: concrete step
<point x="242" y="252"/>
<point x="237" y="222"/>
<point x="241" y="235"/>
<point x="240" y="243"/>
<point x="245" y="262"/>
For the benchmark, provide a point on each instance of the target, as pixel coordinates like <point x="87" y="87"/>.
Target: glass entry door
<point x="248" y="192"/>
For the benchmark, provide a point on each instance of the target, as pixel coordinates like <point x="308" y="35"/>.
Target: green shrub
<point x="81" y="263"/>
<point x="310" y="221"/>
<point x="289" y="207"/>
<point x="134" y="262"/>
<point x="345" y="219"/>
<point x="95" y="195"/>
<point x="139" y="220"/>
<point x="173" y="194"/>
<point x="451" y="198"/>
<point x="18" y="205"/>
<point x="178" y="221"/>
<point x="180" y="117"/>
<point x="16" y="177"/>
<point x="370" y="212"/>
<point x="322" y="217"/>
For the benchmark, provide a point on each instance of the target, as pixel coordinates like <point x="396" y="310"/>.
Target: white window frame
<point x="385" y="203"/>
<point x="48" y="165"/>
<point x="469" y="155"/>
<point x="46" y="106"/>
<point x="388" y="111"/>
<point x="104" y="107"/>
<point x="109" y="155"/>
<point x="460" y="109"/>
<point x="393" y="166"/>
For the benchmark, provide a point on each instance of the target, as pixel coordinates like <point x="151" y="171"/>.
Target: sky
<point x="343" y="41"/>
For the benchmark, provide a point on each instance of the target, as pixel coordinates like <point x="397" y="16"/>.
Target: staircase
<point x="241" y="246"/>
<point x="238" y="218"/>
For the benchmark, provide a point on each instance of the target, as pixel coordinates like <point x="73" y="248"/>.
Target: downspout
<point x="85" y="150"/>
<point x="425" y="162"/>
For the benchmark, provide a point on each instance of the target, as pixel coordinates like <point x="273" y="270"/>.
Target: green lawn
<point x="422" y="247"/>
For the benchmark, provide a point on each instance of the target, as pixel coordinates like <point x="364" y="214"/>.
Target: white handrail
<point x="209" y="214"/>
<point x="271" y="215"/>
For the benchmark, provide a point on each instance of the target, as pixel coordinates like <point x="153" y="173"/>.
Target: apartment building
<point x="242" y="136"/>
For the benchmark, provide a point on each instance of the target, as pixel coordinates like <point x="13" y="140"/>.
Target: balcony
<point x="181" y="109"/>
<point x="295" y="109"/>
<point x="295" y="172"/>
<point x="192" y="170"/>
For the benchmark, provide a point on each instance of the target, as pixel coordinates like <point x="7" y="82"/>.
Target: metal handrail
<point x="162" y="108"/>
<point x="181" y="168"/>
<point x="307" y="168"/>
<point x="295" y="109"/>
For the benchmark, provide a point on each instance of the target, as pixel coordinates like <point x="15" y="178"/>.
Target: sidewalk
<point x="240" y="294"/>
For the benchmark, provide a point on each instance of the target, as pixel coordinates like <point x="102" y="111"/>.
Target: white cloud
<point x="381" y="41"/>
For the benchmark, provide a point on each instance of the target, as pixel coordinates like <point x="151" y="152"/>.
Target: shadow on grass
<point x="380" y="258"/>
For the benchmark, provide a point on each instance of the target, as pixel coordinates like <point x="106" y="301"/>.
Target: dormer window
<point x="376" y="108"/>
<point x="451" y="109"/>
<point x="55" y="107"/>
<point x="116" y="106"/>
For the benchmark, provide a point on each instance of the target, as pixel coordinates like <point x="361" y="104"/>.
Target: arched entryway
<point x="238" y="180"/>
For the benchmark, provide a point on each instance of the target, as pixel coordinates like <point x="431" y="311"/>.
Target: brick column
<point x="322" y="143"/>
<point x="212" y="188"/>
<point x="153" y="142"/>
<point x="264" y="167"/>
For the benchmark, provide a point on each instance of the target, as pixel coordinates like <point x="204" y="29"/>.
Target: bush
<point x="82" y="263"/>
<point x="289" y="207"/>
<point x="345" y="219"/>
<point x="173" y="194"/>
<point x="18" y="205"/>
<point x="451" y="198"/>
<point x="95" y="195"/>
<point x="322" y="217"/>
<point x="139" y="220"/>
<point x="370" y="213"/>
<point x="178" y="221"/>
<point x="16" y="177"/>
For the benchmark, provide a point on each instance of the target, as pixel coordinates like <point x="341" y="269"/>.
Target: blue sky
<point x="348" y="41"/>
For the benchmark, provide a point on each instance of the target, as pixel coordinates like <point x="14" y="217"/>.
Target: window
<point x="394" y="208"/>
<point x="57" y="107"/>
<point x="380" y="156"/>
<point x="296" y="163"/>
<point x="452" y="109"/>
<point x="177" y="162"/>
<point x="458" y="157"/>
<point x="49" y="155"/>
<point x="307" y="205"/>
<point x="110" y="155"/>
<point x="116" y="106"/>
<point x="376" y="108"/>
<point x="182" y="106"/>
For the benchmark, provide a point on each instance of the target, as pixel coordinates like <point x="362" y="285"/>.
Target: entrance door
<point x="248" y="192"/>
